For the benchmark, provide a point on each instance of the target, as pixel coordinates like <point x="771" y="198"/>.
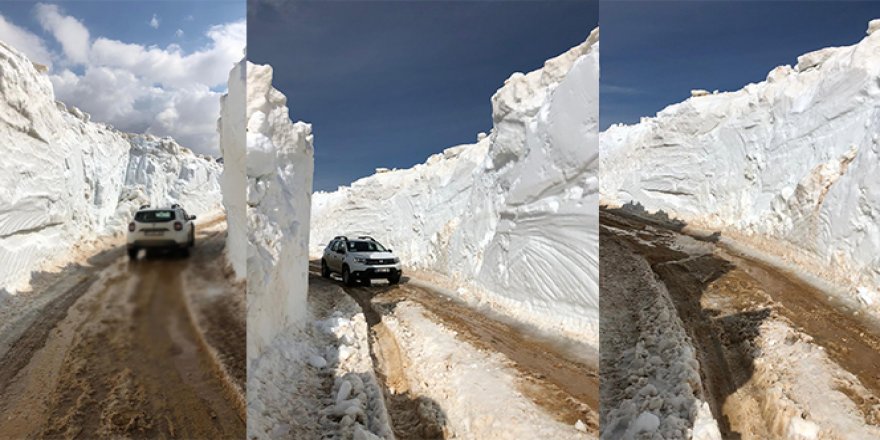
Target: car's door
<point x="332" y="256"/>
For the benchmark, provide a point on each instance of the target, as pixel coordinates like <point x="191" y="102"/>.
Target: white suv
<point x="168" y="228"/>
<point x="361" y="259"/>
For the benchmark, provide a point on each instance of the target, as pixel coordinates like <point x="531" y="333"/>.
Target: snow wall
<point x="65" y="180"/>
<point x="790" y="166"/>
<point x="279" y="167"/>
<point x="513" y="218"/>
<point x="233" y="179"/>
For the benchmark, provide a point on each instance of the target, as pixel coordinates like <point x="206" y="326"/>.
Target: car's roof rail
<point x="366" y="237"/>
<point x="340" y="237"/>
<point x="144" y="206"/>
<point x="175" y="206"/>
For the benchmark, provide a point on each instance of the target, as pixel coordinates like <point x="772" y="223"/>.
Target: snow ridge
<point x="790" y="165"/>
<point x="65" y="181"/>
<point x="512" y="218"/>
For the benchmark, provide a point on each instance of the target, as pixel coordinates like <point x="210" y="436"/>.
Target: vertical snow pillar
<point x="280" y="163"/>
<point x="233" y="178"/>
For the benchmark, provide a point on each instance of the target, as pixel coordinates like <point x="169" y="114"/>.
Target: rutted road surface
<point x="777" y="357"/>
<point x="565" y="387"/>
<point x="112" y="350"/>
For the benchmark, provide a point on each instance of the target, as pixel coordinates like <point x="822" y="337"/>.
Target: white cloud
<point x="68" y="31"/>
<point x="154" y="22"/>
<point x="179" y="33"/>
<point x="24" y="41"/>
<point x="133" y="87"/>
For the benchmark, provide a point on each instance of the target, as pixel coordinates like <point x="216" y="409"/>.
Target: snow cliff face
<point x="514" y="216"/>
<point x="279" y="170"/>
<point x="65" y="180"/>
<point x="234" y="177"/>
<point x="791" y="164"/>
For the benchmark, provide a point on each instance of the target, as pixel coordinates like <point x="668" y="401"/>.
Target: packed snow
<point x="232" y="181"/>
<point x="790" y="165"/>
<point x="66" y="181"/>
<point x="512" y="219"/>
<point x="279" y="169"/>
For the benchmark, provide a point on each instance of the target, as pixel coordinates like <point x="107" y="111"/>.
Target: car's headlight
<point x="360" y="260"/>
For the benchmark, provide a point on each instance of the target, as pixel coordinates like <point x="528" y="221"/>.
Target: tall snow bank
<point x="513" y="217"/>
<point x="233" y="180"/>
<point x="791" y="164"/>
<point x="65" y="180"/>
<point x="279" y="170"/>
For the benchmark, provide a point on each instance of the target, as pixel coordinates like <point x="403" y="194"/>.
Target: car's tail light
<point x="178" y="226"/>
<point x="131" y="227"/>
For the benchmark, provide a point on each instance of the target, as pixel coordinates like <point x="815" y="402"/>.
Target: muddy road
<point x="565" y="386"/>
<point x="726" y="301"/>
<point x="115" y="352"/>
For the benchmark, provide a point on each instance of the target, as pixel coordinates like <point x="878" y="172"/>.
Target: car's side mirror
<point x="192" y="217"/>
<point x="390" y="251"/>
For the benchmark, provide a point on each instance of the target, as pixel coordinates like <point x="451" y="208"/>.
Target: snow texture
<point x="790" y="165"/>
<point x="514" y="216"/>
<point x="65" y="180"/>
<point x="279" y="168"/>
<point x="317" y="381"/>
<point x="232" y="181"/>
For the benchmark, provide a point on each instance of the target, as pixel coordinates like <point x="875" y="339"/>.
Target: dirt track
<point x="116" y="353"/>
<point x="565" y="387"/>
<point x="723" y="299"/>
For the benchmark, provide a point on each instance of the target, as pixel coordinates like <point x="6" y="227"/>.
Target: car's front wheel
<point x="347" y="279"/>
<point x="133" y="253"/>
<point x="325" y="271"/>
<point x="192" y="237"/>
<point x="394" y="279"/>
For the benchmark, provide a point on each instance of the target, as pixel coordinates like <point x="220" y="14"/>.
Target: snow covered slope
<point x="790" y="165"/>
<point x="513" y="217"/>
<point x="279" y="185"/>
<point x="65" y="180"/>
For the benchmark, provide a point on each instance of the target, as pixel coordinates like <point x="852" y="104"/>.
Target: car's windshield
<point x="365" y="246"/>
<point x="154" y="216"/>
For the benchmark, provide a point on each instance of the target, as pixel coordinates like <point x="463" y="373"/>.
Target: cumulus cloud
<point x="24" y="41"/>
<point x="179" y="33"/>
<point x="68" y="31"/>
<point x="133" y="87"/>
<point x="154" y="22"/>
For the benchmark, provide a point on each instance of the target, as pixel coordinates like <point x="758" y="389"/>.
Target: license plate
<point x="384" y="269"/>
<point x="154" y="232"/>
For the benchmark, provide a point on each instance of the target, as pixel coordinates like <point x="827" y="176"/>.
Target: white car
<point x="165" y="228"/>
<point x="361" y="259"/>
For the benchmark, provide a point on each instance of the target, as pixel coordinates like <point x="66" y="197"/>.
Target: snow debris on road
<point x="790" y="165"/>
<point x="317" y="381"/>
<point x="651" y="381"/>
<point x="66" y="181"/>
<point x="512" y="217"/>
<point x="466" y="386"/>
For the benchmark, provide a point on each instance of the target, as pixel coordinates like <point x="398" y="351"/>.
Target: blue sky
<point x="155" y="67"/>
<point x="655" y="52"/>
<point x="386" y="84"/>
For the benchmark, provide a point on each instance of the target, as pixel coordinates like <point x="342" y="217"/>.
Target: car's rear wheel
<point x="133" y="253"/>
<point x="347" y="279"/>
<point x="184" y="252"/>
<point x="394" y="279"/>
<point x="325" y="271"/>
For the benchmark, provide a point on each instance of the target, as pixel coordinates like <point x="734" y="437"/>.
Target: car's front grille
<point x="380" y="261"/>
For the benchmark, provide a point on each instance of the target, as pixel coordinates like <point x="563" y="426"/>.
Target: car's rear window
<point x="365" y="246"/>
<point x="154" y="216"/>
